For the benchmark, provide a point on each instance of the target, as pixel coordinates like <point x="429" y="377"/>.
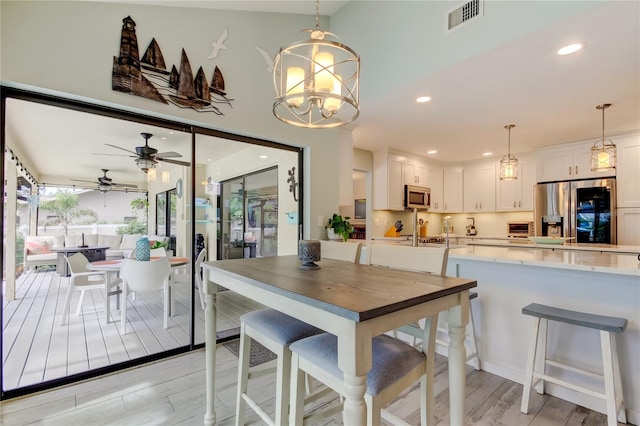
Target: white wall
<point x="67" y="48"/>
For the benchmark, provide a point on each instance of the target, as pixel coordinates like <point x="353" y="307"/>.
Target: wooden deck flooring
<point x="37" y="348"/>
<point x="172" y="392"/>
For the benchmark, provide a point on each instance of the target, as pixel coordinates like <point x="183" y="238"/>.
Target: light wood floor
<point x="171" y="392"/>
<point x="37" y="348"/>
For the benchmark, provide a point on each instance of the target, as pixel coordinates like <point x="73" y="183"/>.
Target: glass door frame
<point x="121" y="114"/>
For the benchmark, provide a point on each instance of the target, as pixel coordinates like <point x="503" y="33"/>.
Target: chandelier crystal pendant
<point x="316" y="81"/>
<point x="603" y="151"/>
<point x="509" y="163"/>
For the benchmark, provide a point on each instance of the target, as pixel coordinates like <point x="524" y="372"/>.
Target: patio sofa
<point x="37" y="249"/>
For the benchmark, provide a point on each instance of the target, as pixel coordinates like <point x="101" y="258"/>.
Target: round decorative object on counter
<point x="308" y="253"/>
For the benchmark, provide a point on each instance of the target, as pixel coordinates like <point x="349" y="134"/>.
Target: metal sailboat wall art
<point x="148" y="77"/>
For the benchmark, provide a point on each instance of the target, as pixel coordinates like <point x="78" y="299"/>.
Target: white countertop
<point x="525" y="243"/>
<point x="594" y="261"/>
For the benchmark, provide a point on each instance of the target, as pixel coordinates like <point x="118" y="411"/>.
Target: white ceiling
<point x="550" y="99"/>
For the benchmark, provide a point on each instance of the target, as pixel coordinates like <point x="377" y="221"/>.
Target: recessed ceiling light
<point x="423" y="99"/>
<point x="486" y="154"/>
<point x="433" y="151"/>
<point x="569" y="49"/>
<point x="263" y="156"/>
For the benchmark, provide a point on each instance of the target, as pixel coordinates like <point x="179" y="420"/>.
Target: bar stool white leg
<point x="528" y="379"/>
<point x="617" y="380"/>
<point x="541" y="360"/>
<point x="243" y="375"/>
<point x="606" y="340"/>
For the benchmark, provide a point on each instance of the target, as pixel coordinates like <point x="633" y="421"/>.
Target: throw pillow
<point x="37" y="248"/>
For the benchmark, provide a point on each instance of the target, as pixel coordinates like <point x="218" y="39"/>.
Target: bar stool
<point x="276" y="331"/>
<point x="608" y="326"/>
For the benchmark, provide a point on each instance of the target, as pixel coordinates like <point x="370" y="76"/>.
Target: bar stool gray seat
<point x="536" y="367"/>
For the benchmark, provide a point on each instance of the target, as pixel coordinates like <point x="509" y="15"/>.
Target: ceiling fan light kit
<point x="603" y="151"/>
<point x="316" y="81"/>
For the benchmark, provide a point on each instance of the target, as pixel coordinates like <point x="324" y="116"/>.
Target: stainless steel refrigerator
<point x="583" y="209"/>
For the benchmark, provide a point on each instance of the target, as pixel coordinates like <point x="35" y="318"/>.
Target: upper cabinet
<point x="628" y="179"/>
<point x="388" y="181"/>
<point x="452" y="187"/>
<point x="570" y="162"/>
<point x="436" y="183"/>
<point x="480" y="188"/>
<point x="517" y="195"/>
<point x="415" y="172"/>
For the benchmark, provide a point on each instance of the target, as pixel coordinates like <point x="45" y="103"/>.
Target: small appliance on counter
<point x="520" y="229"/>
<point x="471" y="227"/>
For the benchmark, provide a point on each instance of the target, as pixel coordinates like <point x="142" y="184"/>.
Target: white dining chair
<point x="185" y="276"/>
<point x="396" y="364"/>
<point x="276" y="331"/>
<point x="83" y="279"/>
<point x="145" y="276"/>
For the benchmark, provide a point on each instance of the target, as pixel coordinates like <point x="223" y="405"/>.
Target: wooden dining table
<point x="354" y="302"/>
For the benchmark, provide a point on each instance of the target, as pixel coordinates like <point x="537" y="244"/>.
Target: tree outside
<point x="63" y="211"/>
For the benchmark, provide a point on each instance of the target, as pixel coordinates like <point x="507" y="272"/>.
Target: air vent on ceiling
<point x="467" y="12"/>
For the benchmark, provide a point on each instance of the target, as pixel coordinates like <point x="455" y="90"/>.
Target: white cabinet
<point x="517" y="195"/>
<point x="415" y="172"/>
<point x="435" y="182"/>
<point x="452" y="190"/>
<point x="388" y="181"/>
<point x="480" y="188"/>
<point x="628" y="179"/>
<point x="570" y="162"/>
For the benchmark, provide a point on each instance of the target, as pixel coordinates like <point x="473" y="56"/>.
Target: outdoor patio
<point x="37" y="348"/>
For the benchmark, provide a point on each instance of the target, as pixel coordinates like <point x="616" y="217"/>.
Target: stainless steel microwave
<point x="417" y="197"/>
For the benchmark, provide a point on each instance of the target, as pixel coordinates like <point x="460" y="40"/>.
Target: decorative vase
<point x="143" y="249"/>
<point x="309" y="252"/>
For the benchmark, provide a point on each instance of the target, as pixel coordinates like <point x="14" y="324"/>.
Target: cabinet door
<point x="388" y="181"/>
<point x="628" y="178"/>
<point x="453" y="189"/>
<point x="486" y="187"/>
<point x="554" y="165"/>
<point x="508" y="193"/>
<point x="435" y="182"/>
<point x="415" y="173"/>
<point x="527" y="180"/>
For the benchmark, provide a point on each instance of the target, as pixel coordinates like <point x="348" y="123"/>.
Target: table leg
<point x="210" y="312"/>
<point x="458" y="317"/>
<point x="355" y="361"/>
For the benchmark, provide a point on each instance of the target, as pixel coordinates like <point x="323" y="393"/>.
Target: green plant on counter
<point x="340" y="226"/>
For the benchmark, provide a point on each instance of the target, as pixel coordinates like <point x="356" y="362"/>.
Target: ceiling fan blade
<point x="123" y="185"/>
<point x="80" y="180"/>
<point x="168" y="154"/>
<point x="115" y="155"/>
<point x="180" y="163"/>
<point x="124" y="149"/>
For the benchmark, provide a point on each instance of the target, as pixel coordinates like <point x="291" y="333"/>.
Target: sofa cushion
<point x="75" y="240"/>
<point x="111" y="241"/>
<point x="38" y="247"/>
<point x="129" y="241"/>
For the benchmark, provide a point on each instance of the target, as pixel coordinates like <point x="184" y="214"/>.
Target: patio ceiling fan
<point x="106" y="184"/>
<point x="147" y="157"/>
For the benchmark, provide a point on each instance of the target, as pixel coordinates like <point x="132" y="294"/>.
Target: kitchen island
<point x="525" y="243"/>
<point x="510" y="278"/>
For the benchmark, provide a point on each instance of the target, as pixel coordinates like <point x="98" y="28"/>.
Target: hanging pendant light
<point x="603" y="152"/>
<point x="509" y="163"/>
<point x="316" y="81"/>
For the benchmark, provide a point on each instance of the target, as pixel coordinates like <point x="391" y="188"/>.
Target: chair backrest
<point x="158" y="252"/>
<point x="201" y="258"/>
<point x="347" y="251"/>
<point x="77" y="263"/>
<point x="145" y="275"/>
<point x="421" y="259"/>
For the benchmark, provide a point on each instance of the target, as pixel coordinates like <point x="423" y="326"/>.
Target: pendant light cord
<point x="317" y="14"/>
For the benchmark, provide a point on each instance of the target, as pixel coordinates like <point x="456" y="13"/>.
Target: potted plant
<point x="339" y="227"/>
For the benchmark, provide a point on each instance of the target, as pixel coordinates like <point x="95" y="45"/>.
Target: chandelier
<point x="509" y="163"/>
<point x="316" y="81"/>
<point x="603" y="152"/>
